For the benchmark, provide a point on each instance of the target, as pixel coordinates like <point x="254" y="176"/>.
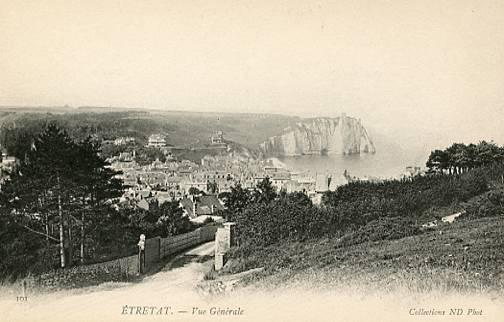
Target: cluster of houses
<point x="149" y="185"/>
<point x="173" y="180"/>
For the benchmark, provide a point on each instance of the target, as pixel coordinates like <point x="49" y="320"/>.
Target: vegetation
<point x="460" y="158"/>
<point x="19" y="127"/>
<point x="463" y="257"/>
<point x="193" y="191"/>
<point x="488" y="204"/>
<point x="60" y="184"/>
<point x="391" y="209"/>
<point x="59" y="208"/>
<point x="164" y="220"/>
<point x="363" y="226"/>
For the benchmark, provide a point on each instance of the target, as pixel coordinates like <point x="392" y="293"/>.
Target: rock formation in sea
<point x="340" y="135"/>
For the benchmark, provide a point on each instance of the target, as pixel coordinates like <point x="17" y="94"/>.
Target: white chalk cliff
<point x="340" y="135"/>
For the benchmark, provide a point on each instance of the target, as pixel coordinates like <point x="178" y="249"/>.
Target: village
<point x="199" y="187"/>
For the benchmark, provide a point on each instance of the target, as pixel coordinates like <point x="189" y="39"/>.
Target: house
<point x="322" y="182"/>
<point x="173" y="183"/>
<point x="7" y="161"/>
<point x="336" y="181"/>
<point x="153" y="178"/>
<point x="217" y="138"/>
<point x="129" y="178"/>
<point x="126" y="156"/>
<point x="156" y="141"/>
<point x="144" y="194"/>
<point x="124" y="140"/>
<point x="6" y="165"/>
<point x="195" y="206"/>
<point x="163" y="196"/>
<point x="326" y="182"/>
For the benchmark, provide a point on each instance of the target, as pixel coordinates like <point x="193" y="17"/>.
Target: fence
<point x="158" y="248"/>
<point x="125" y="268"/>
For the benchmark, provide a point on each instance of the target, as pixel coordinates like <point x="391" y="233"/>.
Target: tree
<point x="438" y="161"/>
<point x="265" y="192"/>
<point x="21" y="250"/>
<point x="470" y="156"/>
<point x="172" y="220"/>
<point x="457" y="157"/>
<point x="212" y="187"/>
<point x="193" y="191"/>
<point x="237" y="200"/>
<point x="98" y="185"/>
<point x="58" y="180"/>
<point x="40" y="189"/>
<point x="488" y="153"/>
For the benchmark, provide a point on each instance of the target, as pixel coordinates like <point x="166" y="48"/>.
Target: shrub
<point x="384" y="210"/>
<point x="487" y="205"/>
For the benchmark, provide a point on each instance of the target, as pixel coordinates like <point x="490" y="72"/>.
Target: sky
<point x="412" y="69"/>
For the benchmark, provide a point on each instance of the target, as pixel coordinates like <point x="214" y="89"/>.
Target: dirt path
<point x="173" y="290"/>
<point x="166" y="292"/>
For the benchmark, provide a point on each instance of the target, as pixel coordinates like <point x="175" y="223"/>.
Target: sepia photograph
<point x="262" y="160"/>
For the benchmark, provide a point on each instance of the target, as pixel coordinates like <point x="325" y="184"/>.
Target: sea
<point x="389" y="162"/>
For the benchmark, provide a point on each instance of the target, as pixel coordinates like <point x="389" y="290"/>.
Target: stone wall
<point x="122" y="269"/>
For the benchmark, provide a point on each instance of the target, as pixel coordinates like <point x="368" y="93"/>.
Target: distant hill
<point x="181" y="128"/>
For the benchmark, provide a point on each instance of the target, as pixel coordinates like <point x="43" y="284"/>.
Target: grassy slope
<point x="465" y="256"/>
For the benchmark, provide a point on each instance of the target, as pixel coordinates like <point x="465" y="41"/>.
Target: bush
<point x="368" y="211"/>
<point x="487" y="205"/>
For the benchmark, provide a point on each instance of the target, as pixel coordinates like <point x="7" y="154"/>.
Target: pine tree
<point x="98" y="185"/>
<point x="265" y="192"/>
<point x="40" y="189"/>
<point x="60" y="183"/>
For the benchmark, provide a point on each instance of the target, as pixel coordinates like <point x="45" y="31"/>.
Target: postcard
<point x="278" y="160"/>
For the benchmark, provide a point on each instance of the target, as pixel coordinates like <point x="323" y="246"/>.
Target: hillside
<point x="188" y="129"/>
<point x="379" y="236"/>
<point x="465" y="256"/>
<point x="181" y="128"/>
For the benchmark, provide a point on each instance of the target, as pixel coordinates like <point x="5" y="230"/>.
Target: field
<point x="463" y="257"/>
